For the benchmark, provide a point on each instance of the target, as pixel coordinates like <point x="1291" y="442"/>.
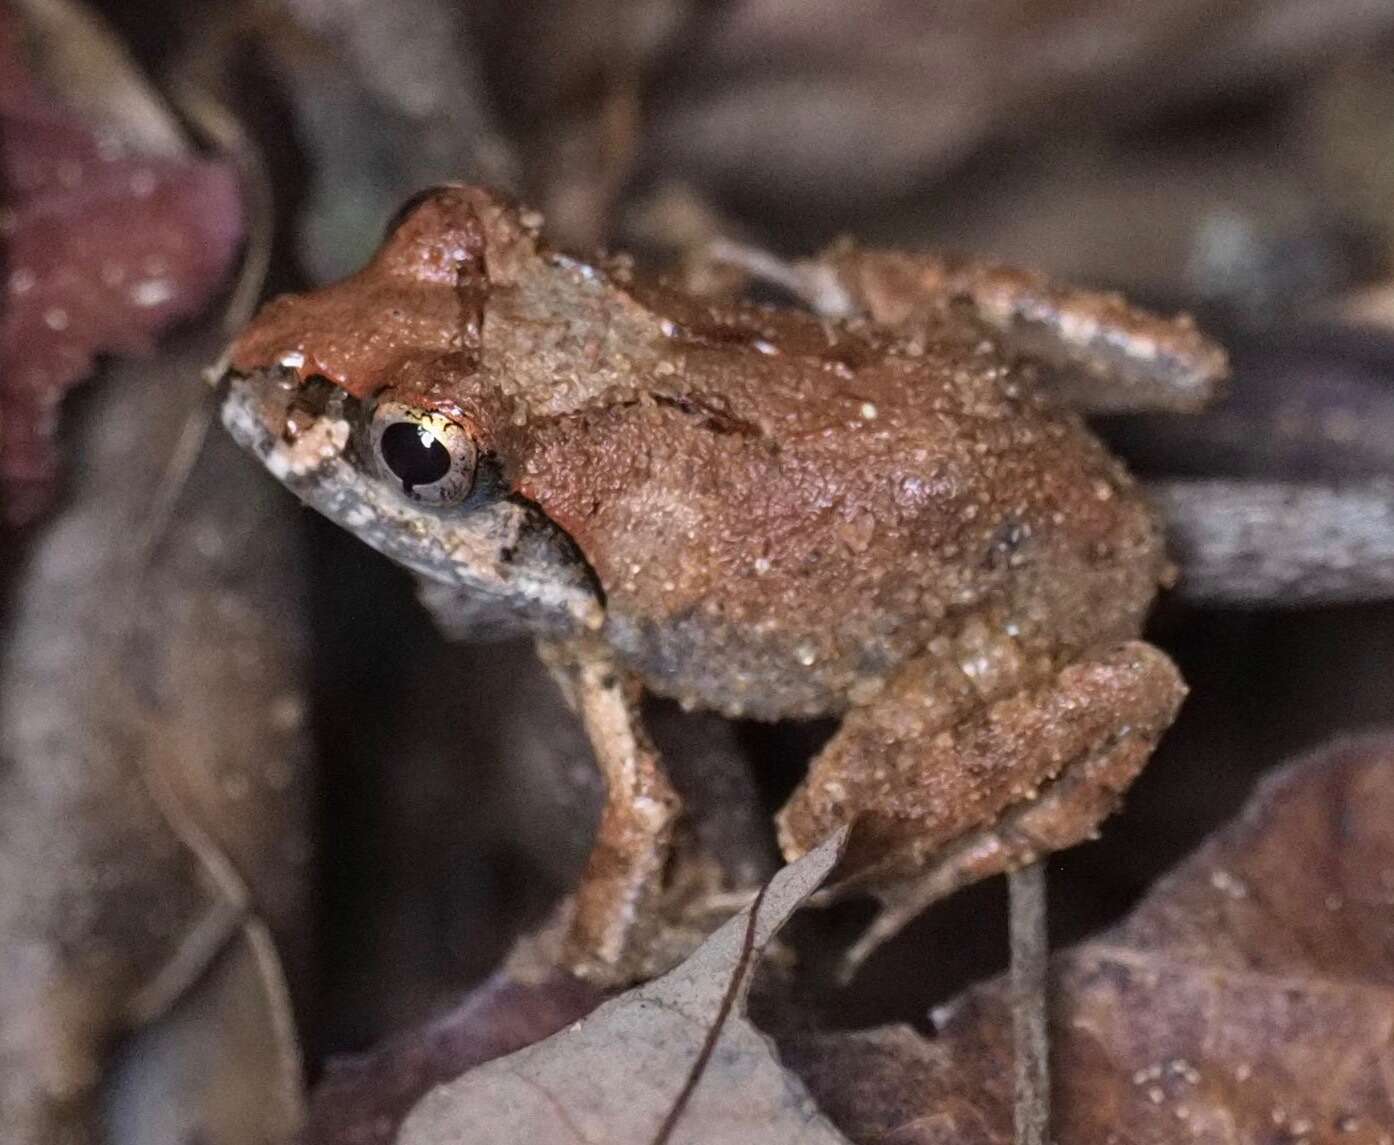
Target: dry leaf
<point x="363" y="1099"/>
<point x="551" y="818"/>
<point x="104" y="246"/>
<point x="220" y="1069"/>
<point x="1249" y="998"/>
<point x="674" y="1060"/>
<point x="154" y="780"/>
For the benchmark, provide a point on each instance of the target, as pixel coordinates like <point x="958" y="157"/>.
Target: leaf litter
<point x="1248" y="998"/>
<point x="105" y="245"/>
<point x="675" y="1060"/>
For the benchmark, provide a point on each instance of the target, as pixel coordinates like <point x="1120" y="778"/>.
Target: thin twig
<point x="221" y="128"/>
<point x="1030" y="943"/>
<point x="1267" y="544"/>
<point x="230" y="913"/>
<point x="225" y="134"/>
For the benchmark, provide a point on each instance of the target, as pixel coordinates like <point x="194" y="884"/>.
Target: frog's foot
<point x="946" y="787"/>
<point x="616" y="904"/>
<point x="696" y="899"/>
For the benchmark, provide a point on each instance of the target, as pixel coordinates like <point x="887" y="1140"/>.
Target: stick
<point x="1030" y="943"/>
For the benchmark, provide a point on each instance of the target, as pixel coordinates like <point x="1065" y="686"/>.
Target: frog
<point x="871" y="498"/>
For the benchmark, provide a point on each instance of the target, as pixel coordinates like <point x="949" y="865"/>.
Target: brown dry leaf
<point x="674" y="1060"/>
<point x="1249" y="998"/>
<point x="105" y="243"/>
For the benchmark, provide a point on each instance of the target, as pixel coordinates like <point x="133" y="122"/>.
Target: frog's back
<point x="779" y="510"/>
<point x="784" y="514"/>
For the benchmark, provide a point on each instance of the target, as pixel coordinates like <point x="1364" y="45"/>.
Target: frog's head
<point x="356" y="397"/>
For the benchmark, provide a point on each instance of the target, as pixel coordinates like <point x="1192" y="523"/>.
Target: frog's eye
<point x="429" y="454"/>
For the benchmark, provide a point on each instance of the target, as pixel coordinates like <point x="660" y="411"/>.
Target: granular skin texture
<point x="779" y="509"/>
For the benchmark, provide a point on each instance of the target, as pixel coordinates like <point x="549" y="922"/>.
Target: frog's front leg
<point x="977" y="762"/>
<point x="620" y="888"/>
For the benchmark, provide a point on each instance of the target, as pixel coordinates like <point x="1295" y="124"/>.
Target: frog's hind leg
<point x="1092" y="349"/>
<point x="623" y="880"/>
<point x="951" y="775"/>
<point x="969" y="768"/>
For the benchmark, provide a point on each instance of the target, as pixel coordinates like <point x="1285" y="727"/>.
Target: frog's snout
<point x="264" y="417"/>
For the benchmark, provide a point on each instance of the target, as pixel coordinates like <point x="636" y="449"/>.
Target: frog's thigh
<point x="620" y="888"/>
<point x="1099" y="353"/>
<point x="946" y="786"/>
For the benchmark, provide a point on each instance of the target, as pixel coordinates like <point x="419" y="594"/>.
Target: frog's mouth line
<point x="495" y="552"/>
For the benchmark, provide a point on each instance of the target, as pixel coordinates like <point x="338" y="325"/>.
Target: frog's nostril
<point x="299" y="420"/>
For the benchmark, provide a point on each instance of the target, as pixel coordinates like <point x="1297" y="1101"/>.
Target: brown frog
<point x="875" y="506"/>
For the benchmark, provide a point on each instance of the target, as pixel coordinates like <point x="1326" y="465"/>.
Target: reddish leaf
<point x="103" y="249"/>
<point x="1249" y="998"/>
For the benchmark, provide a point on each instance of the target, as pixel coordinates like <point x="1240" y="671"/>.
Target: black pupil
<point x="413" y="454"/>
